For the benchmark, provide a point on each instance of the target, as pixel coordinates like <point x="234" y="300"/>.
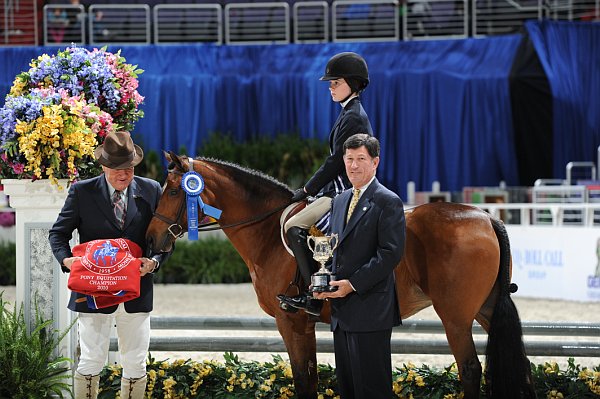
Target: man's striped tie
<point x="119" y="207"/>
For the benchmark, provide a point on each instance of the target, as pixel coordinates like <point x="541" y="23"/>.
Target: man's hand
<point x="148" y="266"/>
<point x="68" y="262"/>
<point x="344" y="288"/>
<point x="299" y="195"/>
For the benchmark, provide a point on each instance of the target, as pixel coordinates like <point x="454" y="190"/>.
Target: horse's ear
<point x="174" y="158"/>
<point x="167" y="156"/>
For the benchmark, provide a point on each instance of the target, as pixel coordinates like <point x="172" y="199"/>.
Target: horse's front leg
<point x="299" y="337"/>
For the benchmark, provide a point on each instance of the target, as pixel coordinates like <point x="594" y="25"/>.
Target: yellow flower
<point x="169" y="383"/>
<point x="17" y="87"/>
<point x="419" y="381"/>
<point x="550" y="367"/>
<point x="554" y="394"/>
<point x="230" y="388"/>
<point x="329" y="392"/>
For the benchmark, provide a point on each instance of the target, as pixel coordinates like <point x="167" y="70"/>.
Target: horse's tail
<point x="508" y="371"/>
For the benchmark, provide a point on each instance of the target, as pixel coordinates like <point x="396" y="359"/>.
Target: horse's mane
<point x="256" y="181"/>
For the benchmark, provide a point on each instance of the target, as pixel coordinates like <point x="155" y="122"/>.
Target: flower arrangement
<point x="236" y="379"/>
<point x="61" y="109"/>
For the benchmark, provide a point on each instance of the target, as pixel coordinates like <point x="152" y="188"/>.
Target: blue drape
<point x="440" y="108"/>
<point x="569" y="53"/>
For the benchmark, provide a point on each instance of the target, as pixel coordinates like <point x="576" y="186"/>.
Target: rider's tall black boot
<point x="307" y="266"/>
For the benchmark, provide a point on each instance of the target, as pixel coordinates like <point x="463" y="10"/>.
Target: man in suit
<point x="116" y="204"/>
<point x="348" y="76"/>
<point x="369" y="222"/>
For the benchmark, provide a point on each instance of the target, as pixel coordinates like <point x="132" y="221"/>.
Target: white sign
<point x="556" y="262"/>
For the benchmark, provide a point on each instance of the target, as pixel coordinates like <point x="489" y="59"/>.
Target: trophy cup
<point x="322" y="249"/>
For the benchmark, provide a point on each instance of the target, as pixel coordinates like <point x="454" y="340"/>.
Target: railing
<point x="18" y="23"/>
<point x="310" y="21"/>
<point x="570" y="347"/>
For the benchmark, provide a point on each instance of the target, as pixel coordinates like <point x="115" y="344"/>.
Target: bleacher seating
<point x="269" y="21"/>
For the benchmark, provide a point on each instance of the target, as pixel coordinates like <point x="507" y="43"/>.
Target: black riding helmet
<point x="350" y="66"/>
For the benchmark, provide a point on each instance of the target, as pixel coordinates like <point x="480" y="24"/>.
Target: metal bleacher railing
<point x="238" y="22"/>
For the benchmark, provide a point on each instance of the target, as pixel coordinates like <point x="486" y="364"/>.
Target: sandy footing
<point x="240" y="300"/>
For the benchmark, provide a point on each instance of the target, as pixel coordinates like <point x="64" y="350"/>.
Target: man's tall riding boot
<point x="85" y="386"/>
<point x="307" y="266"/>
<point x="133" y="388"/>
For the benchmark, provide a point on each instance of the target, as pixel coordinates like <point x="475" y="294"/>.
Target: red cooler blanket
<point x="108" y="273"/>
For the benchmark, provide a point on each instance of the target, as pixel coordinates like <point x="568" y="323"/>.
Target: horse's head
<point x="170" y="217"/>
<point x="248" y="199"/>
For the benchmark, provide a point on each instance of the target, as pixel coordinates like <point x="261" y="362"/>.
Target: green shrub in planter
<point x="29" y="366"/>
<point x="208" y="260"/>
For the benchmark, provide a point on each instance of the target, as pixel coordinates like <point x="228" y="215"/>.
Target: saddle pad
<point x="108" y="272"/>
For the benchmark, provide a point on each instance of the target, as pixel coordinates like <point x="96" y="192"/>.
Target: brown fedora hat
<point x="118" y="151"/>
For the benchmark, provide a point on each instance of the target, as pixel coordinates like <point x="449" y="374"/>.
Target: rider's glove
<point x="299" y="195"/>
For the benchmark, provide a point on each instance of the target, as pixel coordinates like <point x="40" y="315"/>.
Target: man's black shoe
<point x="305" y="302"/>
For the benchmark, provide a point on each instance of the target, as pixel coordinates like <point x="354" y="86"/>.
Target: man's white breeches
<point x="133" y="332"/>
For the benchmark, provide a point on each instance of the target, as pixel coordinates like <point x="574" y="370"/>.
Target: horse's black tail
<point x="508" y="371"/>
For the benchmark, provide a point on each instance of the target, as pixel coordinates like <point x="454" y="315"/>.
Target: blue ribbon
<point x="193" y="184"/>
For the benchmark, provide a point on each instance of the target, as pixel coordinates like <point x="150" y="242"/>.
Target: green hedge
<point x="209" y="260"/>
<point x="286" y="157"/>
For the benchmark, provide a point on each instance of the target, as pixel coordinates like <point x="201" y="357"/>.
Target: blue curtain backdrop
<point x="440" y="108"/>
<point x="570" y="55"/>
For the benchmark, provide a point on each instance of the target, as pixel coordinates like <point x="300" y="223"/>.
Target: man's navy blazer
<point x="88" y="210"/>
<point x="370" y="247"/>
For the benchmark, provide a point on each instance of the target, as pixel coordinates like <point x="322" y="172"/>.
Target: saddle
<point x="286" y="215"/>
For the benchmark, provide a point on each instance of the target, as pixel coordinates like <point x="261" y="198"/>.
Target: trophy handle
<point x="334" y="237"/>
<point x="309" y="240"/>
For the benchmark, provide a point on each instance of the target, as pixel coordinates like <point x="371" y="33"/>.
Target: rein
<point x="176" y="230"/>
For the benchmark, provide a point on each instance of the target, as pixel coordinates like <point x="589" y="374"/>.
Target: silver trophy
<point x="322" y="249"/>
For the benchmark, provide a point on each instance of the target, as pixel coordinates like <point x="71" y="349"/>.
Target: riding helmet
<point x="350" y="66"/>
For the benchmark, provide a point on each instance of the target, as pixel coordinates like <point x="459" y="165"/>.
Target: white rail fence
<point x="571" y="335"/>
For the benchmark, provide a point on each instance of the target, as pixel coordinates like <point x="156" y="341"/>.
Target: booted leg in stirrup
<point x="307" y="266"/>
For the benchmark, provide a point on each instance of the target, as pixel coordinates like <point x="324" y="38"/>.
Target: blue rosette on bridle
<point x="193" y="184"/>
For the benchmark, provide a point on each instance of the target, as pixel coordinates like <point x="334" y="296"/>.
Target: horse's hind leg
<point x="462" y="346"/>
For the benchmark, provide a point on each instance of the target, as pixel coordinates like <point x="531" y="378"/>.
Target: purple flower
<point x="7" y="219"/>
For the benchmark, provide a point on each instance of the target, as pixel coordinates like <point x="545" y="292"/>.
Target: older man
<point x="114" y="205"/>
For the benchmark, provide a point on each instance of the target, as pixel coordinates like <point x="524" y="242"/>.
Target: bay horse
<point x="456" y="258"/>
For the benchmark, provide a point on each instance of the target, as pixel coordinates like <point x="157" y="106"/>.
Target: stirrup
<point x="284" y="306"/>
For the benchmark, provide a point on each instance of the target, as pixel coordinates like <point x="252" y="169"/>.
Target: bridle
<point x="176" y="228"/>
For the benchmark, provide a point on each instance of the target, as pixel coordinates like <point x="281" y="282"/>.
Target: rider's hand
<point x="299" y="195"/>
